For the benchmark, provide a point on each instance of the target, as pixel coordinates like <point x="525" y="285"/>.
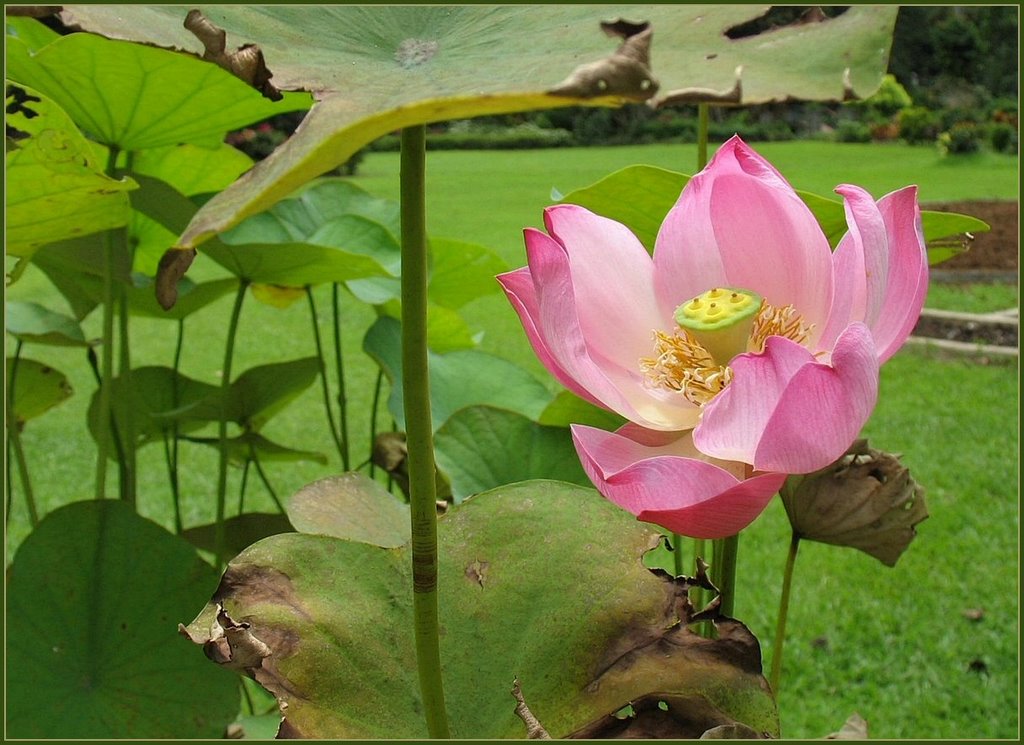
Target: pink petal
<point x="880" y="269"/>
<point x="613" y="283"/>
<point x="739" y="223"/>
<point x="803" y="414"/>
<point x="665" y="483"/>
<point x="908" y="272"/>
<point x="862" y="253"/>
<point x="519" y="289"/>
<point x="823" y="409"/>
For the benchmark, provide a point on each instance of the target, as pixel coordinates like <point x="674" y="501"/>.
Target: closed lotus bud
<point x="866" y="500"/>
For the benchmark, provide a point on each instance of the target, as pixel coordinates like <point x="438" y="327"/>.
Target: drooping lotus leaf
<point x="375" y="69"/>
<point x="640" y="196"/>
<point x="541" y="582"/>
<point x="56" y="189"/>
<point x="92" y="600"/>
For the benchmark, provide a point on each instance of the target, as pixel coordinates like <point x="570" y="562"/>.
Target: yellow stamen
<point x="682" y="363"/>
<point x="772" y="321"/>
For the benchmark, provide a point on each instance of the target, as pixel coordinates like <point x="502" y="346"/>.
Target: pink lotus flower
<point x="744" y="351"/>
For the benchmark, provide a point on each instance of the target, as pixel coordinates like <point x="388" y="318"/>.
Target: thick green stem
<point x="727" y="575"/>
<point x="339" y="368"/>
<point x="323" y="379"/>
<point x="419" y="432"/>
<point x="14" y="441"/>
<point x="222" y="433"/>
<point x="702" y="135"/>
<point x="780" y="623"/>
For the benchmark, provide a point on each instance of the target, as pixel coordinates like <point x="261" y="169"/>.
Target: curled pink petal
<point x="670" y="485"/>
<point x="907" y="283"/>
<point x="807" y="412"/>
<point x="739" y="223"/>
<point x="612" y="281"/>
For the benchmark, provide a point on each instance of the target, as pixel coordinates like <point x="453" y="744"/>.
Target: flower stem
<point x="419" y="432"/>
<point x="323" y="379"/>
<point x="780" y="624"/>
<point x="339" y="366"/>
<point x="727" y="574"/>
<point x="219" y="535"/>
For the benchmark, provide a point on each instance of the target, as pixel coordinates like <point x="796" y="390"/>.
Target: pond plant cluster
<point x="718" y="336"/>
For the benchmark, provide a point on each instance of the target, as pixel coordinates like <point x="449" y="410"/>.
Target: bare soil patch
<point x="996" y="249"/>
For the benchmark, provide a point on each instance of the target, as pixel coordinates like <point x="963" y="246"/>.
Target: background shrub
<point x="918" y="125"/>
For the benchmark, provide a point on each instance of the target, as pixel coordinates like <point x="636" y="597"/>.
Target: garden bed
<point x="992" y="256"/>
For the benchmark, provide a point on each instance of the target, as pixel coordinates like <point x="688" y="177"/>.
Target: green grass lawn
<point x="891" y="644"/>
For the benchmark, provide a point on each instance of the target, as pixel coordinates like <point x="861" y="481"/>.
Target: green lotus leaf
<point x="541" y="582"/>
<point x="92" y="649"/>
<point x="134" y="96"/>
<point x="56" y="189"/>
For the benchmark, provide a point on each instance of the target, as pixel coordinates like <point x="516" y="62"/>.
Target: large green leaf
<point x="92" y="650"/>
<point x="134" y="96"/>
<point x="458" y="379"/>
<point x="480" y="448"/>
<point x="31" y="322"/>
<point x="37" y="388"/>
<point x="540" y="581"/>
<point x="55" y="188"/>
<point x="380" y="68"/>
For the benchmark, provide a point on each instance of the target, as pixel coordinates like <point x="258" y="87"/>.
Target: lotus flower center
<point x="721" y="319"/>
<point x="713" y="328"/>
